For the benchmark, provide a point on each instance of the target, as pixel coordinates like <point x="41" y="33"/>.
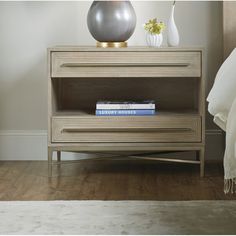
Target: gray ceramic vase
<point x="111" y="21"/>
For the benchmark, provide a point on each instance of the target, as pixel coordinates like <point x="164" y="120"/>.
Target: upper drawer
<point x="126" y="64"/>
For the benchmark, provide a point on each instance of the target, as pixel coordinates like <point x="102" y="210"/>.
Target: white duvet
<point x="222" y="105"/>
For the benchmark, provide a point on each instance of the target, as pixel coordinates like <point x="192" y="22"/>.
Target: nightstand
<point x="80" y="76"/>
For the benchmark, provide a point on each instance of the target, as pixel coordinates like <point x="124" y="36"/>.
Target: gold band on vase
<point x="111" y="44"/>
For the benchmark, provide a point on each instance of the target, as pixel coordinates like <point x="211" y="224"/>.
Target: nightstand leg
<point x="50" y="152"/>
<point x="59" y="156"/>
<point x="202" y="161"/>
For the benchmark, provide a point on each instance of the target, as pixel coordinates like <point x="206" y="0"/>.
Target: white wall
<point x="28" y="28"/>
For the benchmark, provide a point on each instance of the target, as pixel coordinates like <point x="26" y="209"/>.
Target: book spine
<point x="125" y="106"/>
<point x="125" y="112"/>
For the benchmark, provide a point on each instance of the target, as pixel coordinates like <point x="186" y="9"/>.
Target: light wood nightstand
<point x="80" y="76"/>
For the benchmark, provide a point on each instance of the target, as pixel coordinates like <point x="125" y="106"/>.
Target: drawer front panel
<point x="126" y="129"/>
<point x="126" y="64"/>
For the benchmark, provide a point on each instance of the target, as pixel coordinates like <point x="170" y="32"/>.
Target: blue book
<point x="125" y="112"/>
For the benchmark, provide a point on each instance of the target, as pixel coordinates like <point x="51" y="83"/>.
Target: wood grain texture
<point x="72" y="48"/>
<point x="117" y="180"/>
<point x="170" y="94"/>
<point x="107" y="64"/>
<point x="80" y="76"/>
<point x="229" y="27"/>
<point x="159" y="128"/>
<point x="118" y="147"/>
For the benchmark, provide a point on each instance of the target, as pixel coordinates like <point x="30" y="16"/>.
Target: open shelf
<point x="78" y="96"/>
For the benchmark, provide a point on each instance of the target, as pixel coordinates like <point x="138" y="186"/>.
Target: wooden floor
<point x="110" y="180"/>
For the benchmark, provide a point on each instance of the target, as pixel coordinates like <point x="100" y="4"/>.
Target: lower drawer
<point x="126" y="129"/>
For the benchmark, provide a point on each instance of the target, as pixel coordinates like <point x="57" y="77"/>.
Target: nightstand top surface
<point x="128" y="49"/>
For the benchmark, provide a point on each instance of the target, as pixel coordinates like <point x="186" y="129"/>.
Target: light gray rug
<point x="118" y="217"/>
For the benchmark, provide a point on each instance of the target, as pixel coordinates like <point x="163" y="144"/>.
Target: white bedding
<point x="222" y="105"/>
<point x="230" y="151"/>
<point x="221" y="119"/>
<point x="223" y="92"/>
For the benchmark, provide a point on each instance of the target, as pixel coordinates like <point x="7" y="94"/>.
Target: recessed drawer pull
<point x="130" y="129"/>
<point x="75" y="64"/>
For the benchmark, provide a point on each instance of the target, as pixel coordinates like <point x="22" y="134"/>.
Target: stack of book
<point x="125" y="108"/>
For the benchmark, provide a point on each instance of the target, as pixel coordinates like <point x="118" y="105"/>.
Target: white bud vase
<point x="172" y="31"/>
<point x="154" y="40"/>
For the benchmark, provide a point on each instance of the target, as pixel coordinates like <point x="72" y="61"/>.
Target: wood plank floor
<point x="110" y="180"/>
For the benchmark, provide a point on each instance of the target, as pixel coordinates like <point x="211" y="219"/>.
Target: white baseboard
<point x="32" y="145"/>
<point x="23" y="145"/>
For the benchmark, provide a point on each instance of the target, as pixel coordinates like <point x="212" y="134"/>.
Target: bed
<point x="222" y="97"/>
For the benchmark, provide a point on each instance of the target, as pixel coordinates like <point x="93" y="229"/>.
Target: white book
<point x="107" y="105"/>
